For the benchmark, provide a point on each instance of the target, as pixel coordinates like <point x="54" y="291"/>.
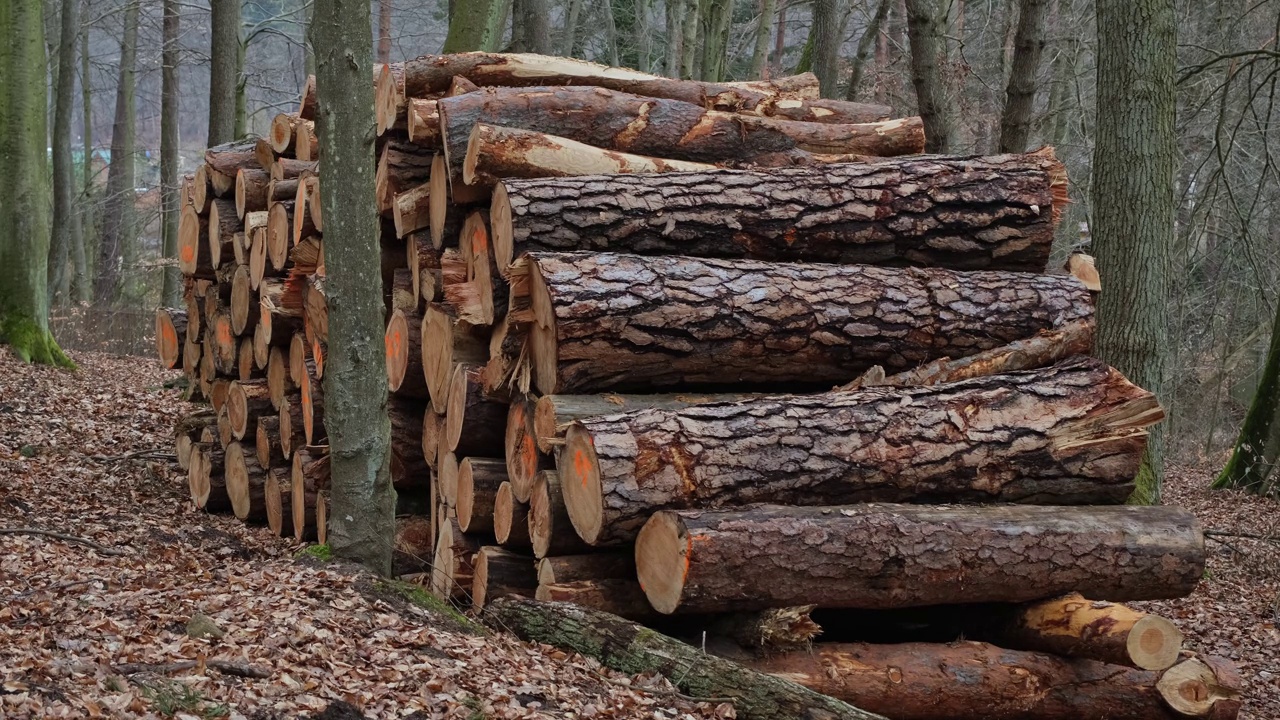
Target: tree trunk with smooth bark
<point x="880" y="556"/>
<point x="169" y="191"/>
<point x="65" y="225"/>
<point x="118" y="213"/>
<point x="224" y="47"/>
<point x="361" y="522"/>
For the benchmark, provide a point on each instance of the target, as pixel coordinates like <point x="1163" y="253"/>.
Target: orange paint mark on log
<point x="170" y="336"/>
<point x="688" y="551"/>
<point x="188" y="254"/>
<point x="224" y="333"/>
<point x="479" y="241"/>
<point x="581" y="465"/>
<point x="528" y="453"/>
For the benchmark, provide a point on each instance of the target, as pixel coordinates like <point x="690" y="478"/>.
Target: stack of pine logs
<point x="720" y="358"/>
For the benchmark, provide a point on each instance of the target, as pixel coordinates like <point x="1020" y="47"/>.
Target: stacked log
<point x="707" y="356"/>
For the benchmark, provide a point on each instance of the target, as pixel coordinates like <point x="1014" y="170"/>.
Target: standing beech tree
<point x="171" y="291"/>
<point x="1133" y="198"/>
<point x="67" y="229"/>
<point x="1253" y="463"/>
<point x="224" y="69"/>
<point x="1020" y="97"/>
<point x="24" y="208"/>
<point x="475" y="25"/>
<point x="118" y="215"/>
<point x="926" y="29"/>
<point x="362" y="519"/>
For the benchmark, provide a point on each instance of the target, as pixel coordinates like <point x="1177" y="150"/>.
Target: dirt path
<point x="72" y="619"/>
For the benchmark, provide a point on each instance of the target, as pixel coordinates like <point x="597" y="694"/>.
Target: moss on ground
<point x="417" y="595"/>
<point x="317" y="552"/>
<point x="32" y="343"/>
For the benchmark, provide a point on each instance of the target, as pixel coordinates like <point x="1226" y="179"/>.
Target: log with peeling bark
<point x="549" y="526"/>
<point x="453" y="563"/>
<point x="629" y="647"/>
<point x="206" y="478"/>
<point x="1041" y="350"/>
<point x="447" y="342"/>
<point x="246" y="482"/>
<point x="918" y="681"/>
<point x="309" y="476"/>
<point x="553" y="415"/>
<point x="222" y="161"/>
<point x="473" y="423"/>
<point x="617" y="596"/>
<point x="224" y="223"/>
<point x="995" y="212"/>
<point x="511" y="519"/>
<point x="411" y="209"/>
<point x="1070" y="434"/>
<point x="659" y="127"/>
<point x="477" y="493"/>
<point x="403" y="341"/>
<point x="885" y="556"/>
<point x="612" y="322"/>
<point x="495" y="153"/>
<point x="171" y="333"/>
<point x="501" y="573"/>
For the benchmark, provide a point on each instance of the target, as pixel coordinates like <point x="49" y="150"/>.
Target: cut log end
<point x="662" y="564"/>
<point x="1154" y="643"/>
<point x="500" y="227"/>
<point x="1198" y="688"/>
<point x="579" y="469"/>
<point x="510" y="518"/>
<point x="396" y="339"/>
<point x="438" y="203"/>
<point x="169" y="341"/>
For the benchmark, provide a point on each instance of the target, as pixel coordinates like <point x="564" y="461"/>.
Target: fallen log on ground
<point x="612" y="322"/>
<point x="995" y="212"/>
<point x="628" y="647"/>
<point x="976" y="681"/>
<point x="1071" y="434"/>
<point x="878" y="556"/>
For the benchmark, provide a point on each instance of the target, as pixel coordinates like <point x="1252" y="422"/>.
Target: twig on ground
<point x="63" y="586"/>
<point x="148" y="454"/>
<point x="1247" y="536"/>
<point x="223" y="666"/>
<point x="68" y="538"/>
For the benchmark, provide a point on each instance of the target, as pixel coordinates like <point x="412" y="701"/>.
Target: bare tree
<point x="926" y="29"/>
<point x="689" y="43"/>
<point x="824" y="36"/>
<point x="117" y="217"/>
<point x="869" y="38"/>
<point x="362" y="522"/>
<point x="384" y="31"/>
<point x="68" y="227"/>
<point x="674" y="14"/>
<point x="81" y="286"/>
<point x="760" y="49"/>
<point x="225" y="60"/>
<point x="1133" y="201"/>
<point x="1257" y="450"/>
<point x="1028" y="44"/>
<point x="474" y="25"/>
<point x="171" y="290"/>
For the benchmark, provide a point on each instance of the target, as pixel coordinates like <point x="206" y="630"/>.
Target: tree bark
<point x="997" y="212"/>
<point x="628" y="647"/>
<point x="554" y="414"/>
<point x="760" y="48"/>
<point x="660" y="127"/>
<point x="224" y="77"/>
<point x="716" y="323"/>
<point x="114" y="244"/>
<point x="495" y="153"/>
<point x="878" y="556"/>
<point x="1133" y="221"/>
<point x="1067" y="435"/>
<point x="361" y="521"/>
<point x="169" y="151"/>
<point x="926" y="29"/>
<point x="563" y="569"/>
<point x="869" y="37"/>
<point x="1020" y="96"/>
<point x="81" y="283"/>
<point x="915" y="681"/>
<point x="24" y="214"/>
<point x="63" y="182"/>
<point x="616" y="596"/>
<point x="1257" y="453"/>
<point x="475" y="25"/>
<point x="825" y="34"/>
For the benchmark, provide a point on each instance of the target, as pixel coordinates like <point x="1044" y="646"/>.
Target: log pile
<point x="707" y="356"/>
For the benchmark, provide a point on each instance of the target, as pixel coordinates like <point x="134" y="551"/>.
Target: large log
<point x="611" y="322"/>
<point x="495" y="152"/>
<point x="246" y="482"/>
<point x="976" y="681"/>
<point x="549" y="524"/>
<point x="473" y="424"/>
<point x="403" y="341"/>
<point x="524" y="461"/>
<point x="500" y="573"/>
<point x="617" y="596"/>
<point x="877" y="556"/>
<point x="658" y="127"/>
<point x="511" y="519"/>
<point x="1071" y="434"/>
<point x="629" y="647"/>
<point x="553" y="415"/>
<point x="996" y="212"/>
<point x="446" y="343"/>
<point x="477" y="493"/>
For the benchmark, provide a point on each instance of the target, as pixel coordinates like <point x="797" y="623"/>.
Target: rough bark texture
<point x="616" y="321"/>
<point x="1020" y="96"/>
<point x="630" y="648"/>
<point x="1066" y="435"/>
<point x="972" y="681"/>
<point x="224" y="43"/>
<point x="63" y="180"/>
<point x="1133" y="196"/>
<point x="169" y="189"/>
<point x="926" y="30"/>
<point x="884" y="556"/>
<point x="361" y="519"/>
<point x="997" y="212"/>
<point x="825" y="35"/>
<point x="554" y="414"/>
<point x="660" y="128"/>
<point x="115" y="244"/>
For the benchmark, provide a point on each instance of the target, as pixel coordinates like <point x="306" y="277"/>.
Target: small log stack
<point x="707" y="356"/>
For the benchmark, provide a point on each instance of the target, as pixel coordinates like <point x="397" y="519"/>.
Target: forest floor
<point x="84" y="633"/>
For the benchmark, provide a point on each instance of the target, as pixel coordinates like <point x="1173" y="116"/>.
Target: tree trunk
<point x="1079" y="429"/>
<point x="65" y="225"/>
<point x="169" y="152"/>
<point x="361" y="521"/>
<point x="760" y="48"/>
<point x="1257" y="452"/>
<point x="628" y="647"/>
<point x="24" y="243"/>
<point x="1015" y="122"/>
<point x="694" y="327"/>
<point x="715" y="41"/>
<point x="825" y="34"/>
<point x="673" y="14"/>
<point x="996" y="212"/>
<point x="916" y="681"/>
<point x="689" y="42"/>
<point x="495" y="152"/>
<point x="1133" y="222"/>
<point x="879" y="556"/>
<point x="616" y="596"/>
<point x="81" y="283"/>
<point x="118" y="216"/>
<point x="384" y="31"/>
<point x="926" y="29"/>
<point x="869" y="37"/>
<point x="224" y="47"/>
<point x="563" y="569"/>
<point x="475" y="25"/>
